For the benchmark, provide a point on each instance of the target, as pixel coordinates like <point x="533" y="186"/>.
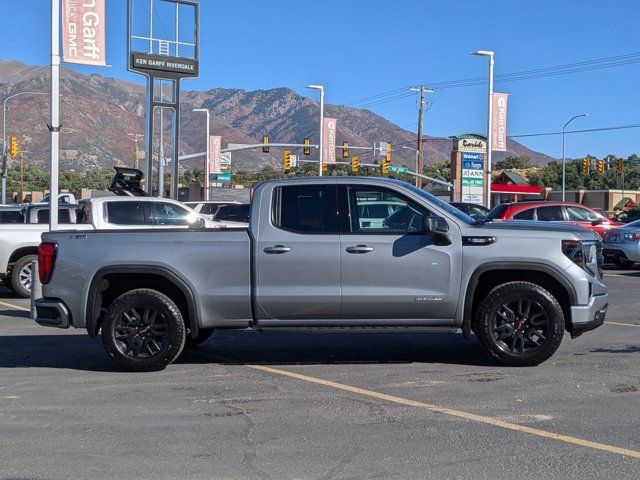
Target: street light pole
<point x="489" y="54"/>
<point x="563" y="157"/>
<point x="320" y="159"/>
<point x="4" y="140"/>
<point x="206" y="159"/>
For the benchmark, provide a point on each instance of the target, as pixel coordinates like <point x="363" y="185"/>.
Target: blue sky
<point x="361" y="48"/>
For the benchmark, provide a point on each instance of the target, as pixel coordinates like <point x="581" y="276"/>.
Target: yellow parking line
<point x="623" y="324"/>
<point x="455" y="413"/>
<point x="15" y="307"/>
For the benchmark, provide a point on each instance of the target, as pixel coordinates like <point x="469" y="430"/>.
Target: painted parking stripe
<point x="15" y="307"/>
<point x="454" y="413"/>
<point x="622" y="324"/>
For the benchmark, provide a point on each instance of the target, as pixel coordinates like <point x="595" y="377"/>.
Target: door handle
<point x="359" y="249"/>
<point x="277" y="249"/>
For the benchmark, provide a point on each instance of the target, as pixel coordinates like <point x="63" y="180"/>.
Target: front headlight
<point x="584" y="254"/>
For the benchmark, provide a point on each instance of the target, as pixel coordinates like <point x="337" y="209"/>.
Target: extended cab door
<point x="297" y="253"/>
<point x="392" y="271"/>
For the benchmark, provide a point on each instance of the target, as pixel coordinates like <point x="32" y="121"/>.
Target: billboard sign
<point x="83" y="32"/>
<point x="499" y="122"/>
<point x="472" y="177"/>
<point x="329" y="140"/>
<point x="215" y="152"/>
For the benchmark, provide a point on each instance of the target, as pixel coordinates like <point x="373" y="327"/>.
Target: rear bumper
<point x="588" y="317"/>
<point x="52" y="313"/>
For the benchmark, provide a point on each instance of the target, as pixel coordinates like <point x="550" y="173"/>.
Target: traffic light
<point x="386" y="161"/>
<point x="345" y="149"/>
<point x="620" y="166"/>
<point x="600" y="167"/>
<point x="306" y="150"/>
<point x="13" y="146"/>
<point x="265" y="140"/>
<point x="585" y="166"/>
<point x="355" y="165"/>
<point x="287" y="160"/>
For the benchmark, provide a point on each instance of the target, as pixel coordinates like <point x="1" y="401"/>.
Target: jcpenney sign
<point x="83" y="32"/>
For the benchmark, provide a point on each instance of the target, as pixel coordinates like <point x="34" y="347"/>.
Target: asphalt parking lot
<point x="338" y="405"/>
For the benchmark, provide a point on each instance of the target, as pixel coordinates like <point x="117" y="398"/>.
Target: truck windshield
<point x="441" y="204"/>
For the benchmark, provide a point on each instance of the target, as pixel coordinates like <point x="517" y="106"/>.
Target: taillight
<point x="46" y="260"/>
<point x="632" y="236"/>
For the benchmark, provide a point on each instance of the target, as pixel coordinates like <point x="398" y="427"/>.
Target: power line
<point x="586" y="130"/>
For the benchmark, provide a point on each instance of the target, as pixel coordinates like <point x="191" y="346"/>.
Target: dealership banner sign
<point x="215" y="154"/>
<point x="329" y="140"/>
<point x="472" y="177"/>
<point x="499" y="122"/>
<point x="83" y="32"/>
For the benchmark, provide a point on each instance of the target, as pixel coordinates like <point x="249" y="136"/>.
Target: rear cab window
<point x="42" y="216"/>
<point x="525" y="214"/>
<point x="126" y="213"/>
<point x="306" y="209"/>
<point x="552" y="213"/>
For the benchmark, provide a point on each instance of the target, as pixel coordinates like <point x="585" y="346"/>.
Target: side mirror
<point x="438" y="227"/>
<point x="200" y="223"/>
<point x="597" y="221"/>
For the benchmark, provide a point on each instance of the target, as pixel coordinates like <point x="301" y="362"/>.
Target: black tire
<point x="520" y="324"/>
<point x="203" y="335"/>
<point x="143" y="330"/>
<point x="622" y="262"/>
<point x="21" y="276"/>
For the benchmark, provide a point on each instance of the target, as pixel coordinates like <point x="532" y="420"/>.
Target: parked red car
<point x="573" y="213"/>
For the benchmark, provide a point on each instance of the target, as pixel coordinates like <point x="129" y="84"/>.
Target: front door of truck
<point x="392" y="271"/>
<point x="297" y="255"/>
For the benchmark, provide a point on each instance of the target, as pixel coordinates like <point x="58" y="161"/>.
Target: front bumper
<point x="52" y="313"/>
<point x="588" y="317"/>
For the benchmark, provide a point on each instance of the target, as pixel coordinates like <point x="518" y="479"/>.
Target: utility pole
<point x="422" y="89"/>
<point x="135" y="137"/>
<point x="54" y="128"/>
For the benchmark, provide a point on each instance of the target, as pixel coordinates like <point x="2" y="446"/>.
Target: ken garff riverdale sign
<point x="83" y="32"/>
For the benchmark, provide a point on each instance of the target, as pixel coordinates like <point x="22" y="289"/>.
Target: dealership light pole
<point x="489" y="54"/>
<point x="321" y="88"/>
<point x="4" y="140"/>
<point x="563" y="159"/>
<point x="206" y="159"/>
<point x="54" y="127"/>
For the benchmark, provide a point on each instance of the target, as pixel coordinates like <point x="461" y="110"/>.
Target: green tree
<point x="513" y="161"/>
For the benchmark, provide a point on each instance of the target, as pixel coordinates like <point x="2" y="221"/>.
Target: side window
<point x="524" y="215"/>
<point x="550" y="214"/>
<point x="306" y="209"/>
<point x="378" y="210"/>
<point x="125" y="213"/>
<point x="170" y="214"/>
<point x="11" y="216"/>
<point x="577" y="214"/>
<point x="233" y="213"/>
<point x="64" y="216"/>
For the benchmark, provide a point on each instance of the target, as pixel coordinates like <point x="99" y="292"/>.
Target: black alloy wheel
<point x="519" y="323"/>
<point x="143" y="330"/>
<point x="519" y="326"/>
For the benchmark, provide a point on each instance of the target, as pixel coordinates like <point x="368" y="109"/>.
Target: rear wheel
<point x="143" y="330"/>
<point x="21" y="275"/>
<point x="623" y="262"/>
<point x="520" y="324"/>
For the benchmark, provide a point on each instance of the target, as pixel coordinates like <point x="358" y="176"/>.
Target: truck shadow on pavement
<point x="79" y="352"/>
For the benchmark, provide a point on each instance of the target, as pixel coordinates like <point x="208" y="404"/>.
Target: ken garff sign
<point x="83" y="32"/>
<point x="499" y="122"/>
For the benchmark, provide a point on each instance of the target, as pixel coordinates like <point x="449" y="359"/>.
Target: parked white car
<point x="19" y="241"/>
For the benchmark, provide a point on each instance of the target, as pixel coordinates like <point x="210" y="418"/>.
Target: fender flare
<point x="97" y="286"/>
<point x="537" y="267"/>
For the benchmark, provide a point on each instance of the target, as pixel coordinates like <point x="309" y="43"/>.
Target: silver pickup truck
<point x="313" y="257"/>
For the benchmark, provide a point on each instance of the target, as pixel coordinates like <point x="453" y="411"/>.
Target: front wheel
<point x="520" y="324"/>
<point x="143" y="330"/>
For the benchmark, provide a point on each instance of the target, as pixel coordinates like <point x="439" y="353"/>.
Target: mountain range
<point x="98" y="112"/>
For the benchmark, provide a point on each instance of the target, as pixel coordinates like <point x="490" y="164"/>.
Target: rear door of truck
<point x="297" y="253"/>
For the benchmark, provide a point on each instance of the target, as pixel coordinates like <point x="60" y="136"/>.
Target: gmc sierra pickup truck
<point x="312" y="257"/>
